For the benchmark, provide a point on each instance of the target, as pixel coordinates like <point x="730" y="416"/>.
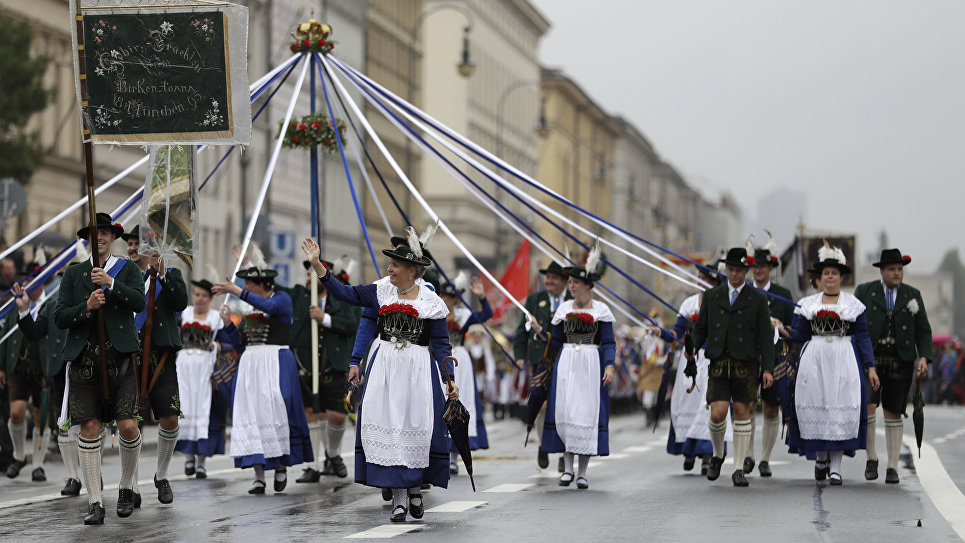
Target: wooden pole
<point x="148" y="332"/>
<point x="316" y="234"/>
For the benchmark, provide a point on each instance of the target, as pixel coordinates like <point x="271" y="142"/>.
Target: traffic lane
<point x="945" y="430"/>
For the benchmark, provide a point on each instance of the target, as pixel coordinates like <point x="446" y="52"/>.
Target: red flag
<point x="515" y="279"/>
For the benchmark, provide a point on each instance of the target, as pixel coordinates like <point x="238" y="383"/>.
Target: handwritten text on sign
<point x="157" y="77"/>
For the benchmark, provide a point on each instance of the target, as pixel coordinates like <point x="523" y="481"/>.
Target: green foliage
<point x="23" y="95"/>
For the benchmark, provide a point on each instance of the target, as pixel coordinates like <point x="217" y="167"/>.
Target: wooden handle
<point x="446" y="370"/>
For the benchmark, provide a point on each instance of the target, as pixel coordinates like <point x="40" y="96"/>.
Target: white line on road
<point x="455" y="507"/>
<point x="941" y="489"/>
<point x="509" y="487"/>
<point x="637" y="448"/>
<point x="384" y="532"/>
<point x="544" y="475"/>
<point x="615" y="456"/>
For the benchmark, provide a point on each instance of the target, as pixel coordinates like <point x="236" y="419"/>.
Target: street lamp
<point x="601" y="173"/>
<point x="466" y="66"/>
<point x="542" y="127"/>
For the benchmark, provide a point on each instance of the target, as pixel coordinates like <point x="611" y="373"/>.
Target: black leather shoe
<point x="258" y="487"/>
<point x="561" y="466"/>
<point x="765" y="468"/>
<point x="891" y="476"/>
<point x="338" y="467"/>
<point x="137" y="497"/>
<point x="871" y="470"/>
<point x="14" y="468"/>
<point x="125" y="503"/>
<point x="189" y="468"/>
<point x="398" y="513"/>
<point x="566" y="479"/>
<point x="453" y="468"/>
<point x="582" y="483"/>
<point x="704" y="464"/>
<point x="543" y="459"/>
<point x="38" y="475"/>
<point x="72" y="488"/>
<point x="309" y="475"/>
<point x="821" y="471"/>
<point x="95" y="514"/>
<point x="689" y="463"/>
<point x="713" y="470"/>
<point x="327" y="467"/>
<point x="738" y="478"/>
<point x="835" y="479"/>
<point x="164" y="492"/>
<point x="387" y="494"/>
<point x="748" y="465"/>
<point x="201" y="473"/>
<point x="280" y="485"/>
<point x="416" y="510"/>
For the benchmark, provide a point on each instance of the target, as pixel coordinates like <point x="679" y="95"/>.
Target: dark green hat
<point x="103" y="221"/>
<point x="581" y="273"/>
<point x="764" y="256"/>
<point x="404" y="254"/>
<point x="308" y="265"/>
<point x="205" y="284"/>
<point x="554" y="268"/>
<point x="133" y="233"/>
<point x="255" y="273"/>
<point x="892" y="256"/>
<point x="396" y="241"/>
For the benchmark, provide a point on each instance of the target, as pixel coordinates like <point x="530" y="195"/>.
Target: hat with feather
<point x="768" y="253"/>
<point x="259" y="266"/>
<point x="343" y="268"/>
<point x="594" y="267"/>
<point x="458" y="285"/>
<point x="830" y="256"/>
<point x="414" y="250"/>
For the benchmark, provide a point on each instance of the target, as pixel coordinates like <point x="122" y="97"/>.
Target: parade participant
<point x="481" y="353"/>
<point x="829" y="394"/>
<point x="530" y="346"/>
<point x="203" y="404"/>
<point x="163" y="398"/>
<point x="116" y="290"/>
<point x="401" y="438"/>
<point x="782" y="312"/>
<point x="734" y="326"/>
<point x="458" y="321"/>
<point x="22" y="371"/>
<point x="901" y="337"/>
<point x="269" y="430"/>
<point x="41" y="328"/>
<point x="578" y="404"/>
<point x="338" y="322"/>
<point x="689" y="433"/>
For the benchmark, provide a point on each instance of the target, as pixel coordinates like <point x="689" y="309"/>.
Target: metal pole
<point x="313" y="154"/>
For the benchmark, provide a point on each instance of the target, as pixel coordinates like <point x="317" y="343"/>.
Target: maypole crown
<point x="311" y="37"/>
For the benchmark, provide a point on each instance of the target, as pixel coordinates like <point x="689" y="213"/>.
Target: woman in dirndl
<point x="458" y="321"/>
<point x="402" y="438"/>
<point x="578" y="408"/>
<point x="830" y="398"/>
<point x="269" y="430"/>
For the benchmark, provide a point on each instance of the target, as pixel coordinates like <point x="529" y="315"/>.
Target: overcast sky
<point x="859" y="103"/>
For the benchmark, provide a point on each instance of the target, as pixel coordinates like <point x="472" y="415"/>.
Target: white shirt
<point x="731" y="289"/>
<point x="327" y="319"/>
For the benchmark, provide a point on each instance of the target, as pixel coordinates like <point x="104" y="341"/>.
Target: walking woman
<point x="401" y="441"/>
<point x="269" y="430"/>
<point x="578" y="409"/>
<point x="458" y="321"/>
<point x="202" y="403"/>
<point x="830" y="397"/>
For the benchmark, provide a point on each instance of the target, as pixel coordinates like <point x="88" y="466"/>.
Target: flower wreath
<point x="313" y="130"/>
<point x="196" y="326"/>
<point x="576" y="316"/>
<point x="398" y="308"/>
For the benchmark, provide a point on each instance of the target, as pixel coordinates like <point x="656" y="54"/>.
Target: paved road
<point x="637" y="493"/>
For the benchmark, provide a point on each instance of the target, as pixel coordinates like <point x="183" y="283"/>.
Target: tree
<point x="23" y="95"/>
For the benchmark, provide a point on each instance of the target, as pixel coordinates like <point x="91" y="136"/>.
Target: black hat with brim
<point x="554" y="268"/>
<point x="404" y="254"/>
<point x="255" y="273"/>
<point x="892" y="256"/>
<point x="103" y="221"/>
<point x="818" y="267"/>
<point x="737" y="256"/>
<point x="205" y="284"/>
<point x="396" y="241"/>
<point x="581" y="273"/>
<point x="450" y="290"/>
<point x="133" y="233"/>
<point x="763" y="256"/>
<point x="308" y="265"/>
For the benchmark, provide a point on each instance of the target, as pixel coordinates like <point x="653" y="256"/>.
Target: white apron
<point x="194" y="381"/>
<point x="259" y="415"/>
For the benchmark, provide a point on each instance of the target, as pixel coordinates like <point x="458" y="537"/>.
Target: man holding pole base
<point x="102" y="360"/>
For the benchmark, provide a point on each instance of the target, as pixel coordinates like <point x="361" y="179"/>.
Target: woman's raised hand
<point x="311" y="250"/>
<point x="477" y="287"/>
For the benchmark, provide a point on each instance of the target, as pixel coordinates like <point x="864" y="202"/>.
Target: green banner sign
<point x="158" y="77"/>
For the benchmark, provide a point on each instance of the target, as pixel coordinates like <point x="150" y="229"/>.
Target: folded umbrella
<point x="538" y="391"/>
<point x="457" y="421"/>
<point x="785" y="372"/>
<point x="665" y="381"/>
<point x="919" y="414"/>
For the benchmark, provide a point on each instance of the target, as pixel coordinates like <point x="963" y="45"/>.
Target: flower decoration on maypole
<point x="311" y="37"/>
<point x="313" y="130"/>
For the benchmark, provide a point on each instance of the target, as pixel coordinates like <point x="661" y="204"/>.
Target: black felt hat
<point x="133" y="233"/>
<point x="103" y="220"/>
<point x="307" y="265"/>
<point x="405" y="254"/>
<point x="205" y="284"/>
<point x="554" y="268"/>
<point x="892" y="256"/>
<point x="256" y="273"/>
<point x="580" y="272"/>
<point x="397" y="241"/>
<point x="830" y="256"/>
<point x="737" y="256"/>
<point x="764" y="256"/>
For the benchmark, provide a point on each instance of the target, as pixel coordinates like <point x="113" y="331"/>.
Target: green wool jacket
<point x="10" y="349"/>
<point x="742" y="331"/>
<point x="912" y="331"/>
<point x="51" y="338"/>
<point x="335" y="343"/>
<point x="169" y="304"/>
<point x="780" y="310"/>
<point x="526" y="346"/>
<point x="123" y="301"/>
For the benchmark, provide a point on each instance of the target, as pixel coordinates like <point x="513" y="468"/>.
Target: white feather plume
<point x="461" y="281"/>
<point x="593" y="259"/>
<point x="40" y="258"/>
<point x="749" y="245"/>
<point x="342" y="265"/>
<point x="566" y="251"/>
<point x="213" y="272"/>
<point x="412" y="237"/>
<point x="82" y="252"/>
<point x="351" y="266"/>
<point x="827" y="252"/>
<point x="257" y="257"/>
<point x="771" y="245"/>
<point x="428" y="233"/>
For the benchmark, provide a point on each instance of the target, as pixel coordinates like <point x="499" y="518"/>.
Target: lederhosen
<point x="26" y="382"/>
<point x="896" y="375"/>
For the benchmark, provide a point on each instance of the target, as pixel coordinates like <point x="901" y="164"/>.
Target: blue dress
<point x="480" y="440"/>
<point x="221" y="398"/>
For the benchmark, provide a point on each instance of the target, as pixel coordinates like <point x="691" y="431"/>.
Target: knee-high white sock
<point x="836" y="457"/>
<point x="315" y="435"/>
<point x="89" y="452"/>
<point x="453" y="457"/>
<point x="538" y="427"/>
<point x="772" y="427"/>
<point x="18" y="434"/>
<point x="323" y="433"/>
<point x="130" y="451"/>
<point x="872" y="453"/>
<point x="68" y="451"/>
<point x="334" y="446"/>
<point x="400" y="497"/>
<point x="749" y="453"/>
<point x="166" y="440"/>
<point x="717" y="432"/>
<point x="742" y="437"/>
<point x="582" y="463"/>
<point x="39" y="449"/>
<point x="568" y="462"/>
<point x="894" y="430"/>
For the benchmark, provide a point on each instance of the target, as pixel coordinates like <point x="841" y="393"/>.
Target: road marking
<point x="384" y="532"/>
<point x="509" y="487"/>
<point x="455" y="507"/>
<point x="637" y="448"/>
<point x="939" y="486"/>
<point x="615" y="456"/>
<point x="544" y="475"/>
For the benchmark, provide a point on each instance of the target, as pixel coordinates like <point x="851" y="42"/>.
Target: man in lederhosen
<point x="527" y="344"/>
<point x="765" y="261"/>
<point x="338" y="323"/>
<point x="734" y="325"/>
<point x="163" y="398"/>
<point x="901" y="337"/>
<point x="117" y="290"/>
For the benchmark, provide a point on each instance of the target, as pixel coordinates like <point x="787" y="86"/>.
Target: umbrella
<point x="537" y="395"/>
<point x="785" y="372"/>
<point x="919" y="415"/>
<point x="44" y="410"/>
<point x="665" y="382"/>
<point x="457" y="421"/>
